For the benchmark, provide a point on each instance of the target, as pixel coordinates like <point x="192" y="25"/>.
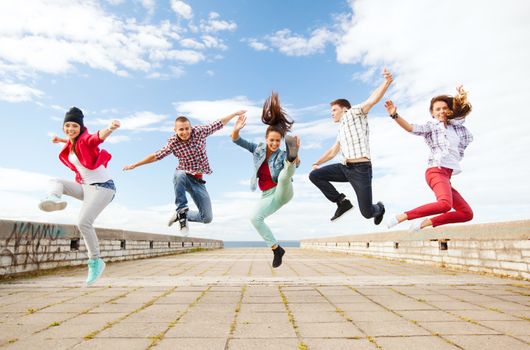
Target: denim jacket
<point x="259" y="153"/>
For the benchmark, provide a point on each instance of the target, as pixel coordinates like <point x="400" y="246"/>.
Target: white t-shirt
<point x="89" y="177"/>
<point x="450" y="160"/>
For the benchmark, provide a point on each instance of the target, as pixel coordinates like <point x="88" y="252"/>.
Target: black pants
<point x="359" y="175"/>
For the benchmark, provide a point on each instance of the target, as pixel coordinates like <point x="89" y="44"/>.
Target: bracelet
<point x="394" y="116"/>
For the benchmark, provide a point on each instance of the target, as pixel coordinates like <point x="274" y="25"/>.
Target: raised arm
<point x="329" y="154"/>
<point x="378" y="93"/>
<point x="149" y="159"/>
<point x="392" y="112"/>
<point x="103" y="134"/>
<point x="229" y="117"/>
<point x="240" y="124"/>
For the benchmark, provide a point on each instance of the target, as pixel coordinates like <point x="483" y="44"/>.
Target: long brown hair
<point x="459" y="105"/>
<point x="274" y="115"/>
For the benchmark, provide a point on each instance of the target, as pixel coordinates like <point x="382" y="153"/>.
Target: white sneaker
<point x="392" y="221"/>
<point x="415" y="227"/>
<point x="173" y="219"/>
<point x="52" y="203"/>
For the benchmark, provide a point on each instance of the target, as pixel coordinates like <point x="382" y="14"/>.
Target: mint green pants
<point x="272" y="200"/>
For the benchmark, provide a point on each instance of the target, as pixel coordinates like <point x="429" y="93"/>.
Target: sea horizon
<point x="259" y="244"/>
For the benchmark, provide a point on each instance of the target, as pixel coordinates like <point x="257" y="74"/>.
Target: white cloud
<point x="214" y="24"/>
<point x="139" y="121"/>
<point x="257" y="45"/>
<point x="18" y="93"/>
<point x="57" y="36"/>
<point x="295" y="45"/>
<point x="182" y="9"/>
<point x="149" y="5"/>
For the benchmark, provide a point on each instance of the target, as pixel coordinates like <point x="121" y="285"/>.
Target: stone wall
<point x="30" y="246"/>
<point x="497" y="248"/>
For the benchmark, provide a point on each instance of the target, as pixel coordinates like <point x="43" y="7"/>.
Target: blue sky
<point x="144" y="62"/>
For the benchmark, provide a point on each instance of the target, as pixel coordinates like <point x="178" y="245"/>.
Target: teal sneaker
<point x="52" y="203"/>
<point x="95" y="270"/>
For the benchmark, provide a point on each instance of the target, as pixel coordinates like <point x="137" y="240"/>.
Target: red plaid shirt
<point x="192" y="153"/>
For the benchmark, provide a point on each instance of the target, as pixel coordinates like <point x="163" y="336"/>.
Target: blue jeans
<point x="195" y="187"/>
<point x="359" y="175"/>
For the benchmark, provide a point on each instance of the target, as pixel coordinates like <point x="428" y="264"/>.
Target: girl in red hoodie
<point x="93" y="184"/>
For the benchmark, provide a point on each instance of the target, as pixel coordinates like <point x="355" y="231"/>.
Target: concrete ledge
<point x="497" y="248"/>
<point x="31" y="246"/>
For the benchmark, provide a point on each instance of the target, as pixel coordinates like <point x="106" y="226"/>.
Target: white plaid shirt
<point x="435" y="135"/>
<point x="192" y="153"/>
<point x="354" y="134"/>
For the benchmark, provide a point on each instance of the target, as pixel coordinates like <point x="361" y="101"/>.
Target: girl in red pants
<point x="447" y="139"/>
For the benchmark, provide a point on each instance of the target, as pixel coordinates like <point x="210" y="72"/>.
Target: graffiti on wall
<point x="29" y="243"/>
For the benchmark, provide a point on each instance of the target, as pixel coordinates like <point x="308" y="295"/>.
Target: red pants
<point x="439" y="180"/>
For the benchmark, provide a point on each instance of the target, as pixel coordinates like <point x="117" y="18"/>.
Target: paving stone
<point x="338" y="344"/>
<point x="38" y="343"/>
<point x="322" y="317"/>
<point x="457" y="327"/>
<point x="408" y="343"/>
<point x="133" y="330"/>
<point x="191" y="343"/>
<point x="262" y="317"/>
<point x="197" y="330"/>
<point x="264" y="330"/>
<point x="269" y="344"/>
<point x="509" y="327"/>
<point x="488" y="342"/>
<point x="114" y="343"/>
<point x="372" y="316"/>
<point x="390" y="328"/>
<point x="429" y="315"/>
<point x="332" y="329"/>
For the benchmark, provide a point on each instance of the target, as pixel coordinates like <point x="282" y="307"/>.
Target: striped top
<point x="354" y="135"/>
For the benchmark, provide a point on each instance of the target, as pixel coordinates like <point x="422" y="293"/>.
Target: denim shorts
<point x="109" y="184"/>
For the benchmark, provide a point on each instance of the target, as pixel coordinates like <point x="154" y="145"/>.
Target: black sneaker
<point x="343" y="206"/>
<point x="278" y="255"/>
<point x="183" y="221"/>
<point x="379" y="218"/>
<point x="292" y="148"/>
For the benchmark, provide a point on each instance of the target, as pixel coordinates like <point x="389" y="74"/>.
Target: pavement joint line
<point x="343" y="315"/>
<point x="465" y="319"/>
<point x="292" y="320"/>
<point x="157" y="338"/>
<point x="17" y="302"/>
<point x="91" y="335"/>
<point x="236" y="314"/>
<point x="414" y="322"/>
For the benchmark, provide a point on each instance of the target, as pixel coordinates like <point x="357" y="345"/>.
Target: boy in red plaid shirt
<point x="189" y="146"/>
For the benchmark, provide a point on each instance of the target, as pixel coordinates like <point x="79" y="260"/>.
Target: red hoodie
<point x="88" y="153"/>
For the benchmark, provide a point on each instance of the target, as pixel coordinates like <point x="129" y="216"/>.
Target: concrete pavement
<point x="233" y="299"/>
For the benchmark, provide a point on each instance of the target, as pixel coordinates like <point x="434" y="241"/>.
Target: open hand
<point x="240" y="122"/>
<point x="390" y="108"/>
<point x="129" y="167"/>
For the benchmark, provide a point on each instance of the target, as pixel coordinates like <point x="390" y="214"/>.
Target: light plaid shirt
<point x="435" y="135"/>
<point x="354" y="134"/>
<point x="192" y="153"/>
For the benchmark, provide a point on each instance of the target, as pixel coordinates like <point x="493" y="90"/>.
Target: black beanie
<point x="74" y="115"/>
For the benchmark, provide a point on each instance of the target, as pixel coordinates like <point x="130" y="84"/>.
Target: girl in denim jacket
<point x="273" y="168"/>
<point x="93" y="184"/>
<point x="447" y="139"/>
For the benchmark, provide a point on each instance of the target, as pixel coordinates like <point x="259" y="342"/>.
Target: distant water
<point x="258" y="244"/>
